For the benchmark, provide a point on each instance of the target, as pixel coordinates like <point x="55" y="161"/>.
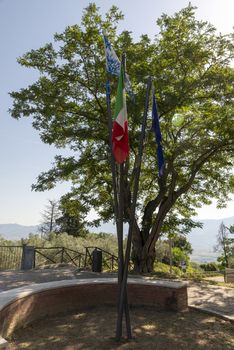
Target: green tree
<point x="182" y="243"/>
<point x="177" y="249"/>
<point x="49" y="217"/>
<point x="193" y="80"/>
<point x="71" y="219"/>
<point x="225" y="244"/>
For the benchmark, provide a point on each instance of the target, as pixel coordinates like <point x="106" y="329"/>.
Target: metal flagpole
<point x="118" y="195"/>
<point x="115" y="186"/>
<point x="122" y="265"/>
<point x="114" y="180"/>
<point x="134" y="200"/>
<point x="118" y="208"/>
<point x="120" y="246"/>
<point x="121" y="211"/>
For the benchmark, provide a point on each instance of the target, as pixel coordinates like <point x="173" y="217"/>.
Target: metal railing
<point x="55" y="255"/>
<point x="109" y="260"/>
<point x="10" y="257"/>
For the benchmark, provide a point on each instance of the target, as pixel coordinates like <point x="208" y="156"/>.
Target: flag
<point x="113" y="65"/>
<point x="112" y="62"/>
<point x="120" y="125"/>
<point x="158" y="137"/>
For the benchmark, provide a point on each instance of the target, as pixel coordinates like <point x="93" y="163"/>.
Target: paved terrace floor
<point x="210" y="298"/>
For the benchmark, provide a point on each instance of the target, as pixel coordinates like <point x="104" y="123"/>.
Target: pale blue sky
<point x="29" y="24"/>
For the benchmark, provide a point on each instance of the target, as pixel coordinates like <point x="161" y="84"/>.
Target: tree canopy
<point x="194" y="85"/>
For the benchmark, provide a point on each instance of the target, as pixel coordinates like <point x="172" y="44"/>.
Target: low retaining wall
<point x="21" y="306"/>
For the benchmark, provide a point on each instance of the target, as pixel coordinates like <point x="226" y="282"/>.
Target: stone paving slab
<point x="214" y="299"/>
<point x="13" y="279"/>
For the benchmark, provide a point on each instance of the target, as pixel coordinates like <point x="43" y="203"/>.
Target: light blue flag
<point x="112" y="62"/>
<point x="113" y="65"/>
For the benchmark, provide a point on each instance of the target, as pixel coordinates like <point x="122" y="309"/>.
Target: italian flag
<point x="120" y="125"/>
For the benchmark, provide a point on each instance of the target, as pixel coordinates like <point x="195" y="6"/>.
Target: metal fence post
<point x="97" y="260"/>
<point x="28" y="257"/>
<point x="62" y="256"/>
<point x="86" y="253"/>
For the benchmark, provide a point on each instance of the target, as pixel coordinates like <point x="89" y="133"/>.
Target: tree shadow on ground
<point x="213" y="298"/>
<point x="14" y="279"/>
<point x="95" y="329"/>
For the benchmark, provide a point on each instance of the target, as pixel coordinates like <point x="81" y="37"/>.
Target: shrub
<point x="231" y="262"/>
<point x="212" y="266"/>
<point x="163" y="270"/>
<point x="179" y="255"/>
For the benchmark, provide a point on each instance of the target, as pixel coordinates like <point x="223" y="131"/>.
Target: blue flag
<point x="158" y="137"/>
<point x="113" y="65"/>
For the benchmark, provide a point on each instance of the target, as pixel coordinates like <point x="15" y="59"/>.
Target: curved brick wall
<point x="55" y="297"/>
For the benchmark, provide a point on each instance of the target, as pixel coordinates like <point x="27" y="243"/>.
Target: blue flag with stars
<point x="158" y="137"/>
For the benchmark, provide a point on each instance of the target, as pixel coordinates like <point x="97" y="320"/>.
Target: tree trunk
<point x="143" y="259"/>
<point x="143" y="241"/>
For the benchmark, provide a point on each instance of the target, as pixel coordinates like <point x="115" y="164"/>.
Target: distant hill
<point x="204" y="239"/>
<point x="15" y="231"/>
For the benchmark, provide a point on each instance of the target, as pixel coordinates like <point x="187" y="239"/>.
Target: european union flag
<point x="158" y="137"/>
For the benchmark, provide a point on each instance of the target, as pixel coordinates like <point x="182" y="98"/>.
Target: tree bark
<point x="143" y="255"/>
<point x="146" y="263"/>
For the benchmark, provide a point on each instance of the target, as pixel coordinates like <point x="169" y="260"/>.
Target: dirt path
<point x="213" y="298"/>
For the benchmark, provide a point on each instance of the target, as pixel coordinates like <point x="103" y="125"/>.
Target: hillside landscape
<point x="203" y="239"/>
<point x="16" y="231"/>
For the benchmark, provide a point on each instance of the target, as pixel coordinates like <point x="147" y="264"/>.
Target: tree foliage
<point x="193" y="81"/>
<point x="71" y="219"/>
<point x="182" y="243"/>
<point x="64" y="215"/>
<point x="225" y="245"/>
<point x="49" y="218"/>
<point x="107" y="242"/>
<point x="178" y="249"/>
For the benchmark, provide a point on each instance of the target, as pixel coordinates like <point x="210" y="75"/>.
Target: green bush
<point x="105" y="241"/>
<point x="179" y="255"/>
<point x="163" y="270"/>
<point x="212" y="266"/>
<point x="231" y="262"/>
<point x="195" y="267"/>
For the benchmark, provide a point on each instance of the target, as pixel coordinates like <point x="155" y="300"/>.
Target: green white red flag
<point x="120" y="145"/>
